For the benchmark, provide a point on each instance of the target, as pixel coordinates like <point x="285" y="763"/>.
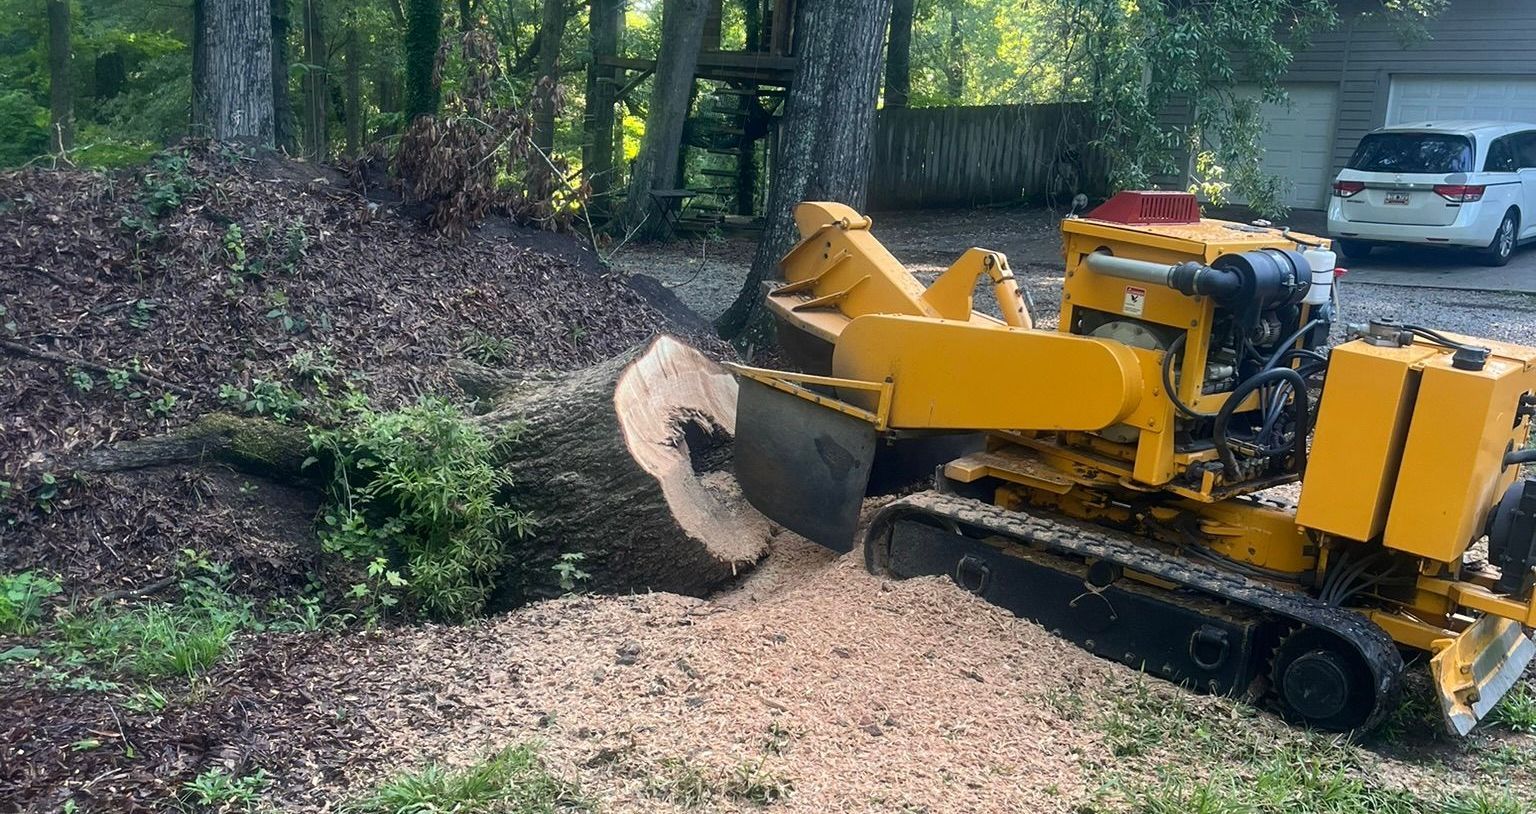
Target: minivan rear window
<point x="1413" y="152"/>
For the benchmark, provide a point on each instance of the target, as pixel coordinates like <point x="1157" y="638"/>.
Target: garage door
<point x="1298" y="142"/>
<point x="1443" y="98"/>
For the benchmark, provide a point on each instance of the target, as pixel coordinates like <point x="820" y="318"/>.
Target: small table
<point x="669" y="201"/>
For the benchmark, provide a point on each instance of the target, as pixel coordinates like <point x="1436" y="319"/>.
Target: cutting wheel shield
<point x="1345" y="678"/>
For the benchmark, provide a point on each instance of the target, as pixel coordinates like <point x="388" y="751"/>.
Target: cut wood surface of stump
<point x="628" y="462"/>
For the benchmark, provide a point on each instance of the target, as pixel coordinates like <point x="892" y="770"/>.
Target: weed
<point x="168" y="181"/>
<point x="1484" y="801"/>
<point x="141" y="313"/>
<point x="317" y="365"/>
<point x="416" y="490"/>
<point x="488" y="350"/>
<point x="152" y="641"/>
<point x="298" y="245"/>
<point x="568" y="570"/>
<point x="753" y="783"/>
<point x="778" y="739"/>
<point x="21" y="601"/>
<point x="512" y="781"/>
<point x="82" y="380"/>
<point x="234" y="251"/>
<point x="681" y="782"/>
<point x="118" y="379"/>
<point x="146" y="699"/>
<point x="6" y="488"/>
<point x="162" y="407"/>
<point x="221" y="791"/>
<point x="46" y="493"/>
<point x="278" y="310"/>
<point x="264" y="397"/>
<point x="1516" y="711"/>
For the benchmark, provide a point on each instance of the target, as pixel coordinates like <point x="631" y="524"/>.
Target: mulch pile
<point x="209" y="269"/>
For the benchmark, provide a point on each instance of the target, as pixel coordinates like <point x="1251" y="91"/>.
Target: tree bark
<point x="283" y="126"/>
<point x="627" y="463"/>
<point x="597" y="155"/>
<point x="199" y="67"/>
<point x="354" y="82"/>
<point x="423" y="33"/>
<point x="61" y="99"/>
<point x="825" y="140"/>
<point x="898" y="54"/>
<point x="546" y="88"/>
<point x="236" y="78"/>
<point x="682" y="31"/>
<point x="317" y="84"/>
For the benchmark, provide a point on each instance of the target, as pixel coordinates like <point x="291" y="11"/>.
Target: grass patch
<point x="512" y="781"/>
<point x="22" y="597"/>
<point x="681" y="782"/>
<point x="690" y="785"/>
<point x="1516" y="711"/>
<point x="152" y="641"/>
<point x="218" y="790"/>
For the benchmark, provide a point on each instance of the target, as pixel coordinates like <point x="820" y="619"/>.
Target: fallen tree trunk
<point x="627" y="462"/>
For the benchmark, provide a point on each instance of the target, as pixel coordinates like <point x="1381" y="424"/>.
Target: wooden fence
<point x="970" y="156"/>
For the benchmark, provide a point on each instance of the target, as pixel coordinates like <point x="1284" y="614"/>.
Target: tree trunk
<point x="466" y="16"/>
<point x="236" y="80"/>
<point x="597" y="155"/>
<point x="317" y="84"/>
<point x="61" y="100"/>
<point x="354" y="81"/>
<point x="682" y="31"/>
<point x="898" y="54"/>
<point x="386" y="94"/>
<point x="628" y="463"/>
<point x="199" y="68"/>
<point x="423" y="33"/>
<point x="954" y="68"/>
<point x="547" y="86"/>
<point x="283" y="126"/>
<point x="824" y="145"/>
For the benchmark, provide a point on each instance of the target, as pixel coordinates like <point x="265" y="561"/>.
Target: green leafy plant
<point x="415" y="496"/>
<point x="512" y="781"/>
<point x="317" y="364"/>
<point x="167" y="182"/>
<point x="264" y="397"/>
<point x="222" y="791"/>
<point x="141" y="313"/>
<point x="21" y="601"/>
<point x="568" y="570"/>
<point x="1516" y="711"/>
<point x="118" y="379"/>
<point x="46" y="492"/>
<point x="752" y="782"/>
<point x="82" y="380"/>
<point x="162" y="407"/>
<point x="298" y="245"/>
<point x="488" y="350"/>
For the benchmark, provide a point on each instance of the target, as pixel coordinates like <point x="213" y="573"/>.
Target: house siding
<point x="1472" y="37"/>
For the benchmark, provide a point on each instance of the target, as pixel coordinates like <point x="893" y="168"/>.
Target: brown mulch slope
<point x="88" y="273"/>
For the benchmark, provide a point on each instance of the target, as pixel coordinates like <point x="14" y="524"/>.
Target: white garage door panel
<point x="1444" y="98"/>
<point x="1298" y="144"/>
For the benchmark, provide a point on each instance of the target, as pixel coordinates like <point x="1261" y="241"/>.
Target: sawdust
<point x="859" y="693"/>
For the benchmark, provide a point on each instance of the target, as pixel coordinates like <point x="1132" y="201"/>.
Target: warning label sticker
<point x="1135" y="301"/>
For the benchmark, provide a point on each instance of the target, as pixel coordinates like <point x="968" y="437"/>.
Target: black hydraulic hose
<point x="1173" y="395"/>
<point x="1437" y="337"/>
<point x="1520" y="456"/>
<point x="1285" y="346"/>
<point x="1299" y="407"/>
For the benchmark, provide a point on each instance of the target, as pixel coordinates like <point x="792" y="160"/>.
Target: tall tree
<point x="603" y="23"/>
<point x="824" y="147"/>
<point x="283" y="134"/>
<point x="423" y="33"/>
<point x="354" y="91"/>
<point x="682" y="31"/>
<point x="551" y="31"/>
<point x="954" y="66"/>
<point x="898" y="54"/>
<point x="61" y="100"/>
<point x="235" y="82"/>
<point x="317" y="83"/>
<point x="466" y="15"/>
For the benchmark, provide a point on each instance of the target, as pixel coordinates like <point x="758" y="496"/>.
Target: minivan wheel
<point x="1502" y="247"/>
<point x="1353" y="249"/>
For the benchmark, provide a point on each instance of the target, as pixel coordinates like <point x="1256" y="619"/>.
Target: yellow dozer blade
<point x="1474" y="670"/>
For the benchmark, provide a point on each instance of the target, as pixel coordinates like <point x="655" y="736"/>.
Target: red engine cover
<point x="1143" y="207"/>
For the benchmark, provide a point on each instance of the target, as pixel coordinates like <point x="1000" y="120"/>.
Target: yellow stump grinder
<point x="1115" y="479"/>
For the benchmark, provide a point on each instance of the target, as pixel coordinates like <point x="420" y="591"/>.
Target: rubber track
<point x="1370" y="642"/>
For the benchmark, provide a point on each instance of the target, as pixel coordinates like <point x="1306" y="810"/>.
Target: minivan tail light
<point x="1460" y="193"/>
<point x="1345" y="189"/>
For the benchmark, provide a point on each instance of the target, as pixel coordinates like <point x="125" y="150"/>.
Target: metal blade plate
<point x="803" y="466"/>
<point x="1474" y="671"/>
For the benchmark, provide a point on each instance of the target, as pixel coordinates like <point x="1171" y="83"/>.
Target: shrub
<point x="415" y="496"/>
<point x="21" y="601"/>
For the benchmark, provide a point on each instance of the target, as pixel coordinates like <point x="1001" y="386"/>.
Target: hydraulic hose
<point x="1302" y="416"/>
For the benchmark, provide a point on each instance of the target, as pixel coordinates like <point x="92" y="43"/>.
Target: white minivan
<point x="1438" y="183"/>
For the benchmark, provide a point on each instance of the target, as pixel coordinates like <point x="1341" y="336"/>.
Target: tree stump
<point x="628" y="463"/>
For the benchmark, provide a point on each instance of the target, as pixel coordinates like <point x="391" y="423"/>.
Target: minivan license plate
<point x="1400" y="198"/>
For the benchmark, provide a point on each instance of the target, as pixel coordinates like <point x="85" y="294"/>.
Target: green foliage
<point x="82" y="380"/>
<point x="264" y="397"/>
<point x="488" y="350"/>
<point x="1516" y="711"/>
<point x="415" y="496"/>
<point x="315" y="364"/>
<point x="512" y="781"/>
<point x="141" y="312"/>
<point x="423" y="33"/>
<point x="23" y="128"/>
<point x="21" y="601"/>
<point x="219" y="790"/>
<point x="162" y="407"/>
<point x="166" y="183"/>
<point x="46" y="492"/>
<point x="568" y="570"/>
